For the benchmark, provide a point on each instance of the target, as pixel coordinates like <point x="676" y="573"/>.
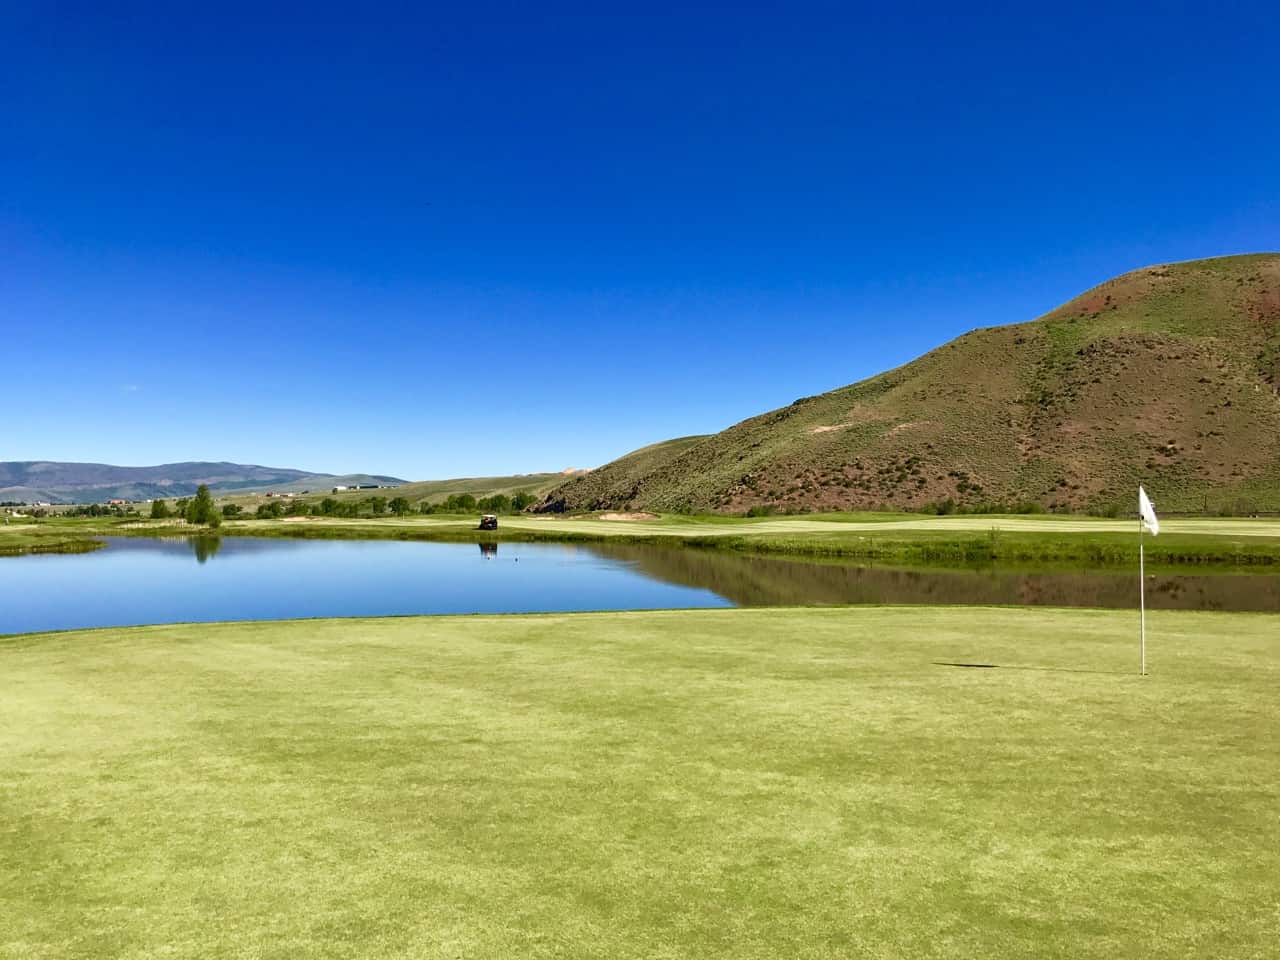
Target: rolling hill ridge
<point x="60" y="482"/>
<point x="1167" y="376"/>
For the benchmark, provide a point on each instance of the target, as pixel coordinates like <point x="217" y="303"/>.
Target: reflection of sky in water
<point x="145" y="580"/>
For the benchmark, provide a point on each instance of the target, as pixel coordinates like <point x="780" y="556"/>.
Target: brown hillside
<point x="1168" y="376"/>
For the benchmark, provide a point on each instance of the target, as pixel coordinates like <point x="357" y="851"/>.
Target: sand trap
<point x="627" y="516"/>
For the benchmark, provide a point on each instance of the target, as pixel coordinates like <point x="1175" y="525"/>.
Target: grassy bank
<point x="883" y="538"/>
<point x="53" y="537"/>
<point x="803" y="783"/>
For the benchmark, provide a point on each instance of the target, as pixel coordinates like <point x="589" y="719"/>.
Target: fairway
<point x="740" y="783"/>
<point x="684" y="527"/>
<point x="864" y="524"/>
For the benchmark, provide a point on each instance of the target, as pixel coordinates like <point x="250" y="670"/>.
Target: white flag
<point x="1148" y="513"/>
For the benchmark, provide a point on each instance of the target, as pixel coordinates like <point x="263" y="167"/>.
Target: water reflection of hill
<point x="762" y="581"/>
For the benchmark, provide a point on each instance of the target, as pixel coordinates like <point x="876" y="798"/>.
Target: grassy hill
<point x="421" y="491"/>
<point x="624" y="474"/>
<point x="1168" y="376"/>
<point x="437" y="490"/>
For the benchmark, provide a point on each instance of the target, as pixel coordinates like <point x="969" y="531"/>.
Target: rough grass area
<point x="779" y="783"/>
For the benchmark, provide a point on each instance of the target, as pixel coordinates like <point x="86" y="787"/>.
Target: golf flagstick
<point x="1147" y="520"/>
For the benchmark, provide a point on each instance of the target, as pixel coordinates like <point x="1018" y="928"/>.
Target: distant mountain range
<point x="33" y="481"/>
<point x="1167" y="376"/>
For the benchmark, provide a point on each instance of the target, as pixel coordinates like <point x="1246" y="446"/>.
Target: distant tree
<point x="180" y="508"/>
<point x="298" y="508"/>
<point x="400" y="506"/>
<point x="328" y="505"/>
<point x="201" y="508"/>
<point x="522" y="500"/>
<point x="159" y="510"/>
<point x="498" y="503"/>
<point x="377" y="505"/>
<point x="271" y="510"/>
<point x="231" y="510"/>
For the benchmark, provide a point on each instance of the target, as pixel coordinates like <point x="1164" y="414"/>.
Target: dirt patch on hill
<point x="909" y="425"/>
<point x="627" y="516"/>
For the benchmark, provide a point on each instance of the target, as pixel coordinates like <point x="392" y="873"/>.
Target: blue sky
<point x="476" y="239"/>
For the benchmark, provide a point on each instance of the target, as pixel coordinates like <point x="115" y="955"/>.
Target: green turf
<point x="739" y="783"/>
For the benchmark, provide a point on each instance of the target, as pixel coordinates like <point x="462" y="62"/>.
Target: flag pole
<point x="1142" y="595"/>
<point x="1146" y="518"/>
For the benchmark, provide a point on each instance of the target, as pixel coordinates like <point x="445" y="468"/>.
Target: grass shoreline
<point x="912" y="541"/>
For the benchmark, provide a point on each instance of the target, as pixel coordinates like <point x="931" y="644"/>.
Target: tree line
<point x="201" y="509"/>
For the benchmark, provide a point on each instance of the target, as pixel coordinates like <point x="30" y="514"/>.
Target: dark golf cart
<point x="488" y="522"/>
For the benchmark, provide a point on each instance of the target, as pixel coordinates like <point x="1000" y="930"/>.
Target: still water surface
<point x="144" y="580"/>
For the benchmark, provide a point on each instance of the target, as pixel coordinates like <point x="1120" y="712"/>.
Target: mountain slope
<point x="57" y="482"/>
<point x="621" y="476"/>
<point x="1167" y="376"/>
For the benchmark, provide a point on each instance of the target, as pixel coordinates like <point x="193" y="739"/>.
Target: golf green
<point x="872" y="782"/>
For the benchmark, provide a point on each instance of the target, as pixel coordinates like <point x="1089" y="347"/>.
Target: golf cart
<point x="489" y="522"/>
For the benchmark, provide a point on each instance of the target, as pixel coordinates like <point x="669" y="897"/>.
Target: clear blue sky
<point x="441" y="240"/>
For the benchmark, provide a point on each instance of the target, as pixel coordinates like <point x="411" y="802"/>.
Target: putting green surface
<point x="732" y="783"/>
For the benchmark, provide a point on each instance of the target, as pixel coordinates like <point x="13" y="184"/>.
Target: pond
<point x="145" y="580"/>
